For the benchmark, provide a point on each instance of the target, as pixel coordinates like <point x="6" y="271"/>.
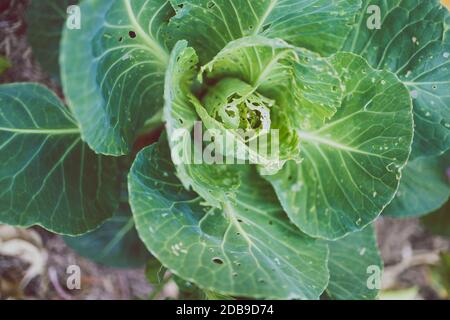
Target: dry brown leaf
<point x="26" y="245"/>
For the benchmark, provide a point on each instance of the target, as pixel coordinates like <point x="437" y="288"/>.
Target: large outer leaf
<point x="113" y="70"/>
<point x="414" y="43"/>
<point x="424" y="187"/>
<point x="349" y="262"/>
<point x="45" y="19"/>
<point x="352" y="165"/>
<point x="48" y="176"/>
<point x="248" y="250"/>
<point x="115" y="243"/>
<point x="318" y="25"/>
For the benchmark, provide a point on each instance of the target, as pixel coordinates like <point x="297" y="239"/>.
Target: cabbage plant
<point x="361" y="114"/>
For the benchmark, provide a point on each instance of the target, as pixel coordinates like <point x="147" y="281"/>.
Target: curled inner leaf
<point x="237" y="105"/>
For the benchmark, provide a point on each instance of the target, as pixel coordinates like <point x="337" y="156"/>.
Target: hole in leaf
<point x="172" y="13"/>
<point x="267" y="26"/>
<point x="132" y="34"/>
<point x="217" y="261"/>
<point x="231" y="113"/>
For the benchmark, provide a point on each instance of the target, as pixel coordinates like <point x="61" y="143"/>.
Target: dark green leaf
<point x="112" y="70"/>
<point x="317" y="25"/>
<point x="48" y="176"/>
<point x="116" y="243"/>
<point x="45" y="19"/>
<point x="424" y="187"/>
<point x="439" y="221"/>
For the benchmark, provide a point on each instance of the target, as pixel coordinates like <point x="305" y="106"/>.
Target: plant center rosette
<point x="243" y="98"/>
<point x="247" y="99"/>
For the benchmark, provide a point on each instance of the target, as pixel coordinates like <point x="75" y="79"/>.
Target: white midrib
<point x="160" y="53"/>
<point x="229" y="210"/>
<point x="272" y="5"/>
<point x="269" y="67"/>
<point x="49" y="132"/>
<point x="317" y="140"/>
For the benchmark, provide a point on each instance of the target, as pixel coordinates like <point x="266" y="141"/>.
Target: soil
<point x="406" y="248"/>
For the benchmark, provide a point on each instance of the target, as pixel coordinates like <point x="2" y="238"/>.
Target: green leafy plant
<point x="362" y="117"/>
